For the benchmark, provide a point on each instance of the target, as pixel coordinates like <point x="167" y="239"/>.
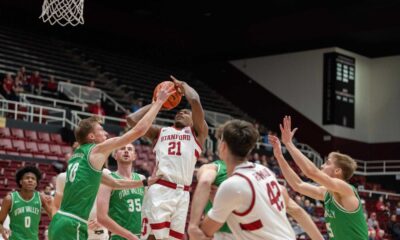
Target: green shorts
<point x="67" y="228"/>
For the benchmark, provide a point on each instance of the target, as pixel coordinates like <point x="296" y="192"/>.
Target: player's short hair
<point x="85" y="127"/>
<point x="240" y="136"/>
<point x="344" y="162"/>
<point x="28" y="169"/>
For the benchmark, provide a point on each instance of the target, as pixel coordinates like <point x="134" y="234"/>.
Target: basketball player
<point x="24" y="206"/>
<point x="252" y="188"/>
<point x="343" y="209"/>
<point x="214" y="174"/>
<point x="84" y="171"/>
<point x="218" y="171"/>
<point x="95" y="230"/>
<point x="177" y="148"/>
<point x="120" y="211"/>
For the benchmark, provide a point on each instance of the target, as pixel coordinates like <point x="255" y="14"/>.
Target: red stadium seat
<point x="31" y="135"/>
<point x="44" y="136"/>
<point x="5" y="143"/>
<point x="55" y="149"/>
<point x="26" y="155"/>
<point x="14" y="153"/>
<point x="56" y="137"/>
<point x="17" y="133"/>
<point x="52" y="157"/>
<point x="19" y="145"/>
<point x="39" y="156"/>
<point x="5" y="132"/>
<point x="43" y="147"/>
<point x="32" y="146"/>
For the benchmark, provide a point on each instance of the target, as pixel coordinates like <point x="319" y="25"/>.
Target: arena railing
<point x="379" y="193"/>
<point x="84" y="94"/>
<point x="215" y="118"/>
<point x="31" y="112"/>
<point x="55" y="102"/>
<point x="378" y="167"/>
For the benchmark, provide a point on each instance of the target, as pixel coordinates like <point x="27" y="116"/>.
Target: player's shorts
<point x="164" y="211"/>
<point x="116" y="237"/>
<point x="98" y="234"/>
<point x="223" y="236"/>
<point x="64" y="227"/>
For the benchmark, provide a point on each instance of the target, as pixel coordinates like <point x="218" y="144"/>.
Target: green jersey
<point x="81" y="185"/>
<point x="25" y="217"/>
<point x="221" y="176"/>
<point x="126" y="206"/>
<point x="342" y="224"/>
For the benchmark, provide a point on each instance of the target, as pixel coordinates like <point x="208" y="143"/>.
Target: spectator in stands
<point x="22" y="71"/>
<point x="51" y="84"/>
<point x="364" y="208"/>
<point x="393" y="227"/>
<point x="275" y="167"/>
<point x="7" y="89"/>
<point x="136" y="104"/>
<point x="308" y="207"/>
<point x="36" y="82"/>
<point x="398" y="208"/>
<point x="256" y="158"/>
<point x="380" y="205"/>
<point x="373" y="226"/>
<point x="299" y="200"/>
<point x="264" y="160"/>
<point x="47" y="190"/>
<point x="97" y="109"/>
<point x="19" y="84"/>
<point x="388" y="211"/>
<point x="92" y="84"/>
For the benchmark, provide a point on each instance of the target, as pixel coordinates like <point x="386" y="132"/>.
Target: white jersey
<point x="176" y="152"/>
<point x="251" y="203"/>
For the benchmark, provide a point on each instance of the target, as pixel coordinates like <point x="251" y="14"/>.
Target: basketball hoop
<point x="63" y="12"/>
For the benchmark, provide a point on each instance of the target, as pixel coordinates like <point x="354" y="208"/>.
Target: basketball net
<point x="63" y="12"/>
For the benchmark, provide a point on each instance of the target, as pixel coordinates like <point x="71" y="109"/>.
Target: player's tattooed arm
<point x="199" y="123"/>
<point x="135" y="117"/>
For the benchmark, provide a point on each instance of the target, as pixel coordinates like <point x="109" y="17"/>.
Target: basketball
<point x="173" y="100"/>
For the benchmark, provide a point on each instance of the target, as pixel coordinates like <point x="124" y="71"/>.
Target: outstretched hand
<point x="178" y="85"/>
<point x="286" y="130"/>
<point x="276" y="144"/>
<point x="164" y="93"/>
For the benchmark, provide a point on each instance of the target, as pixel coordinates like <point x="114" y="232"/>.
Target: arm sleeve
<point x="231" y="196"/>
<point x="60" y="182"/>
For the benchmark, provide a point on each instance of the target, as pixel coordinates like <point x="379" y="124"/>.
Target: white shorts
<point x="223" y="236"/>
<point x="164" y="212"/>
<point x="98" y="234"/>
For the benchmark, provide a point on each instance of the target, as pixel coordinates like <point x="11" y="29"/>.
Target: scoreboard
<point x="338" y="90"/>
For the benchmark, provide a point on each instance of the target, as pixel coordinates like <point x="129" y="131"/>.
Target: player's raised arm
<point x="307" y="167"/>
<point x="199" y="123"/>
<point x="291" y="177"/>
<point x="135" y="117"/>
<point x="102" y="150"/>
<point x="301" y="216"/>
